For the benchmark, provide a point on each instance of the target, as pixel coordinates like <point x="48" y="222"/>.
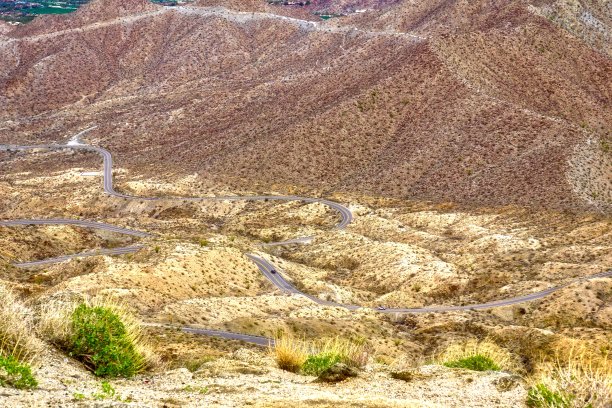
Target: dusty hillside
<point x="484" y="104"/>
<point x="396" y="253"/>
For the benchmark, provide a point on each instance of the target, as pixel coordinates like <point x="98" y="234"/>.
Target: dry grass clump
<point x="478" y="356"/>
<point x="577" y="376"/>
<point x="16" y="327"/>
<point x="101" y="333"/>
<point x="289" y="352"/>
<point x="314" y="357"/>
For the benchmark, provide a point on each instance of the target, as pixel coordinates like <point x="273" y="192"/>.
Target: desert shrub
<point x="476" y="362"/>
<point x="102" y="342"/>
<point x="15" y="374"/>
<point x="540" y="396"/>
<point x="318" y="363"/>
<point x="576" y="377"/>
<point x="314" y="357"/>
<point x="478" y="356"/>
<point x="101" y="334"/>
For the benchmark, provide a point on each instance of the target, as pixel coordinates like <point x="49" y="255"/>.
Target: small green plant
<point x="157" y="249"/>
<point x="576" y="376"/>
<point x="204" y="243"/>
<point x="475" y="363"/>
<point x="194" y="365"/>
<point x="313" y="358"/>
<point x="78" y="396"/>
<point x="478" y="356"/>
<point x="540" y="396"/>
<point x="318" y="363"/>
<point x="108" y="392"/>
<point x="200" y="390"/>
<point x="15" y="374"/>
<point x="100" y="340"/>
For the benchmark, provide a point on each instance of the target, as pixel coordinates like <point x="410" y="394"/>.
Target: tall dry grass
<point x="460" y="351"/>
<point x="16" y="328"/>
<point x="578" y="376"/>
<point x="290" y="352"/>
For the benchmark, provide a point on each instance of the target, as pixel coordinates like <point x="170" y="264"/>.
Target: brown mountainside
<point x="477" y="102"/>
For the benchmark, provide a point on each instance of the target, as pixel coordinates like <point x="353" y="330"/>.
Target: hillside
<point x="333" y="203"/>
<point x="448" y="101"/>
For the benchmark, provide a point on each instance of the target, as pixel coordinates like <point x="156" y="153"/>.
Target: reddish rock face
<point x="486" y="103"/>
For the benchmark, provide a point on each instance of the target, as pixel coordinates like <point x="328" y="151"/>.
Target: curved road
<point x="345" y="214"/>
<point x="281" y="283"/>
<point x="264" y="266"/>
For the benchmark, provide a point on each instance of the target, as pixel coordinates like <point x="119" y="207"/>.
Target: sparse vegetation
<point x="541" y="396"/>
<point x="477" y="362"/>
<point x="577" y="377"/>
<point x="107" y="392"/>
<point x="16" y="339"/>
<point x="101" y="334"/>
<point x="15" y="374"/>
<point x="18" y="347"/>
<point x="314" y="357"/>
<point x="477" y="356"/>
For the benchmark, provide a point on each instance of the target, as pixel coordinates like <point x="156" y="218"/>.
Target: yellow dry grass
<point x="291" y="352"/>
<point x="485" y="348"/>
<point x="16" y="323"/>
<point x="580" y="375"/>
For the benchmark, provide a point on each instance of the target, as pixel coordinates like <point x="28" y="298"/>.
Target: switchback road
<point x="271" y="273"/>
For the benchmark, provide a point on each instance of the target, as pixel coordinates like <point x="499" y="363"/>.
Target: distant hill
<point x="483" y="103"/>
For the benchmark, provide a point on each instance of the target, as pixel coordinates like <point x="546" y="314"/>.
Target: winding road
<point x="266" y="268"/>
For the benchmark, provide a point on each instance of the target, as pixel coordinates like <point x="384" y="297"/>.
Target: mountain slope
<point x="475" y="102"/>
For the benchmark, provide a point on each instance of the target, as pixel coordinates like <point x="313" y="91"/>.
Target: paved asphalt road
<point x="345" y="214"/>
<point x="279" y="281"/>
<point x="266" y="268"/>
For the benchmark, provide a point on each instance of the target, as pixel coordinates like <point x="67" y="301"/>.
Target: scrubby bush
<point x="476" y="362"/>
<point x="314" y="357"/>
<point x="576" y="377"/>
<point x="477" y="356"/>
<point x="101" y="334"/>
<point x="540" y="396"/>
<point x="15" y="374"/>
<point x="318" y="363"/>
<point x="101" y="340"/>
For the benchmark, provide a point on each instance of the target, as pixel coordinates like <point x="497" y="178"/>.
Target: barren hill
<point x="474" y="102"/>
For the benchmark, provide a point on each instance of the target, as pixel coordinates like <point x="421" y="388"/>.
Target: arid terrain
<point x="470" y="141"/>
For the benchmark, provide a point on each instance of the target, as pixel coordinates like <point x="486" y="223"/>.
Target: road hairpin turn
<point x="267" y="269"/>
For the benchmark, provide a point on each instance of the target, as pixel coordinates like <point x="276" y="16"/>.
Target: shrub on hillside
<point x="102" y="342"/>
<point x="16" y="374"/>
<point x="477" y="356"/>
<point x="101" y="334"/>
<point x="315" y="357"/>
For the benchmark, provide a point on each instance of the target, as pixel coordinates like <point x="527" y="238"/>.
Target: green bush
<point x="100" y="340"/>
<point x="318" y="363"/>
<point x="540" y="396"/>
<point x="15" y="374"/>
<point x="476" y="363"/>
